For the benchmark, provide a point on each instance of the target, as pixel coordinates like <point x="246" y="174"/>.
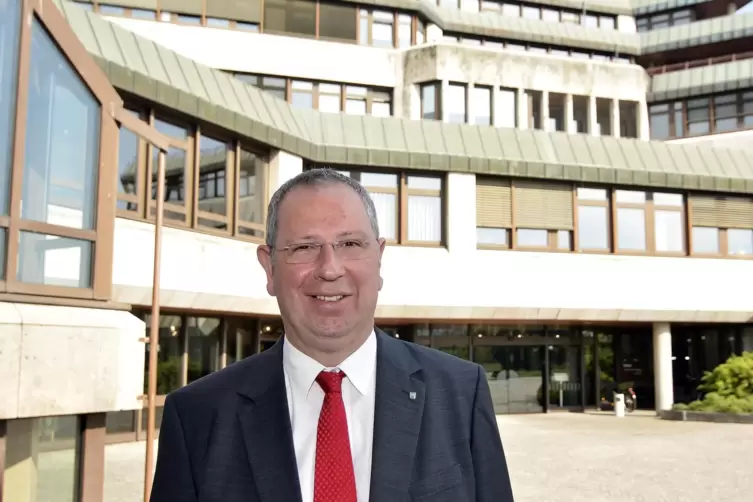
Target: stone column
<point x="593" y="121"/>
<point x="616" y="118"/>
<point x="663" y="380"/>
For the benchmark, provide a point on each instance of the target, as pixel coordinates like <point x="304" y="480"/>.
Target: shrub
<point x="728" y="387"/>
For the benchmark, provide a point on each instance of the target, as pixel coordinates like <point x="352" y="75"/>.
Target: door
<point x="515" y="375"/>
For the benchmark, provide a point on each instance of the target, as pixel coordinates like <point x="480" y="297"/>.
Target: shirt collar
<point x="359" y="367"/>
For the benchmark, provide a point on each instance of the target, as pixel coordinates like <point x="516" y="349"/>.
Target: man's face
<point x="331" y="294"/>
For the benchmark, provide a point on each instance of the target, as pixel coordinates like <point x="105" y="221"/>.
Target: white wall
<point x="219" y="274"/>
<point x="272" y="54"/>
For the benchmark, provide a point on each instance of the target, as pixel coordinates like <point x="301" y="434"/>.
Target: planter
<point x="706" y="416"/>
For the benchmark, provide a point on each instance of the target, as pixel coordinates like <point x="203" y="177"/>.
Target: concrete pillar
<point x="522" y="108"/>
<point x="544" y="111"/>
<point x="433" y="33"/>
<point x="570" y="126"/>
<point x="496" y="108"/>
<point x="593" y="121"/>
<point x="461" y="221"/>
<point x="615" y="118"/>
<point x="663" y="381"/>
<point x="644" y="132"/>
<point x="282" y="167"/>
<point x="444" y="99"/>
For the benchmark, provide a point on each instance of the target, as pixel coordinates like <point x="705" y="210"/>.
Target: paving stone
<point x="577" y="457"/>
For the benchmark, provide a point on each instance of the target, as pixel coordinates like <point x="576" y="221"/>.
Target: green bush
<point x="728" y="387"/>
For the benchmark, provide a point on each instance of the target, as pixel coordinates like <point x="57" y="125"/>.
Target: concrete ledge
<point x="706" y="416"/>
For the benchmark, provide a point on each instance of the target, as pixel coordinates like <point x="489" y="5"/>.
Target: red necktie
<point x="334" y="480"/>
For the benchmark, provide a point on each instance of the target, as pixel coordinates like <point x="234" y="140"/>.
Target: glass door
<point x="515" y="376"/>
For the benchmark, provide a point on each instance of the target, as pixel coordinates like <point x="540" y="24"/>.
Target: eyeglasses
<point x="348" y="250"/>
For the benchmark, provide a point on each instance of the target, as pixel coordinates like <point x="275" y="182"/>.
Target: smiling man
<point x="336" y="411"/>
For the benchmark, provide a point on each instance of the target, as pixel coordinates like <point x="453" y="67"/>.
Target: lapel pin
<point x="412" y="395"/>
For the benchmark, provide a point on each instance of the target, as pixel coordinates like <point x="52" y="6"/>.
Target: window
<point x="542" y="215"/>
<point x="53" y="445"/>
<point x="337" y="21"/>
<point x="302" y="94"/>
<point x="10" y="27"/>
<point x="430" y="109"/>
<point x="409" y="207"/>
<point x="493" y="212"/>
<point x="593" y="219"/>
<point x="129" y="148"/>
<point x="250" y="197"/>
<point x="482" y="106"/>
<point x="297" y="17"/>
<point x="506" y="108"/>
<point x="211" y="192"/>
<point x="382" y="29"/>
<point x="722" y="225"/>
<point x="177" y="164"/>
<point x="424" y="209"/>
<point x="649" y="221"/>
<point x="716" y="114"/>
<point x="456" y="104"/>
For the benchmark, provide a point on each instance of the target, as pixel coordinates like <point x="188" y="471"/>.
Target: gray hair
<point x="316" y="177"/>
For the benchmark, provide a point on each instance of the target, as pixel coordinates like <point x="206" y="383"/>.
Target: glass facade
<point x="42" y="457"/>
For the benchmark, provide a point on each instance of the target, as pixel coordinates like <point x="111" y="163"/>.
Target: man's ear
<point x="264" y="255"/>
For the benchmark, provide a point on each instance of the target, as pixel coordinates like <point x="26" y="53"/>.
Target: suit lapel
<point x="265" y="422"/>
<point x="397" y="419"/>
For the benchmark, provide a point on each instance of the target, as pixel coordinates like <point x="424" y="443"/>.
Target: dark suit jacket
<point x="227" y="437"/>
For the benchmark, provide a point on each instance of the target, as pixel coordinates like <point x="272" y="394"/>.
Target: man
<point x="336" y="411"/>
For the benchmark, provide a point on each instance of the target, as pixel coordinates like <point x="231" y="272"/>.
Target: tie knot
<point x="331" y="381"/>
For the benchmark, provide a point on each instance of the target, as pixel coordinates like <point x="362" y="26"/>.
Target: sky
<point x="747" y="8"/>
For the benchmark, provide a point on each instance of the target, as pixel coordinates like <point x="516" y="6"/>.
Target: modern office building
<point x="566" y="187"/>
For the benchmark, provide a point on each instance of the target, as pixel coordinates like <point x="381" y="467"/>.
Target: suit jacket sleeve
<point x="173" y="480"/>
<point x="489" y="463"/>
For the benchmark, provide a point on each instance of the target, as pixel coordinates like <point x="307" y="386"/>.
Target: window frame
<point x="101" y="236"/>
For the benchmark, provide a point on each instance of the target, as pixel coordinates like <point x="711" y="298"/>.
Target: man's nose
<point x="329" y="266"/>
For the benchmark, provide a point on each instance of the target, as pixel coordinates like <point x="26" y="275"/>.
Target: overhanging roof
<point x="146" y="69"/>
<point x="723" y="77"/>
<point x="644" y="7"/>
<point x="707" y="31"/>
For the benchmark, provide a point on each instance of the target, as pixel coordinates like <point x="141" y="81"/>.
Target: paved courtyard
<point x="577" y="457"/>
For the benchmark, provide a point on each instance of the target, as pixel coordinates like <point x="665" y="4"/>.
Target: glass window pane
<point x="3" y="247"/>
<point x="128" y="168"/>
<point x="739" y="241"/>
<point x="250" y="203"/>
<point x="386" y="209"/>
<point x="631" y="229"/>
<point x="203" y="346"/>
<point x="528" y="237"/>
<point x="10" y="23"/>
<point x="337" y="21"/>
<point x="424" y="218"/>
<point x="591" y="194"/>
<point x="380" y="109"/>
<point x="492" y="236"/>
<point x="669" y="231"/>
<point x="482" y="106"/>
<point x="62" y="140"/>
<point x="705" y="240"/>
<point x="52" y="443"/>
<point x="507" y="108"/>
<point x="630" y="196"/>
<point x="378" y="180"/>
<point x="456" y="102"/>
<point x="593" y="227"/>
<point x="290" y="16"/>
<point x="668" y="199"/>
<point x="382" y="29"/>
<point x="212" y="172"/>
<point x="424" y="183"/>
<point x="564" y="240"/>
<point x="355" y="107"/>
<point x="54" y="261"/>
<point x="429" y="101"/>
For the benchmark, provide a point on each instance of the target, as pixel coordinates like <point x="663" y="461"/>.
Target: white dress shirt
<point x="305" y="399"/>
